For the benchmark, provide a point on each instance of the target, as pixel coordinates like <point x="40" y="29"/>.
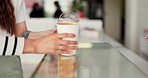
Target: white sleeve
<point x="20" y="11"/>
<point x="11" y="45"/>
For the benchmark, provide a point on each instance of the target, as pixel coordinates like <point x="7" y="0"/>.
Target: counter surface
<point x="93" y="60"/>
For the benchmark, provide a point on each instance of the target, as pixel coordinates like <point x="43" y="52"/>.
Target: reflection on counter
<point x="56" y="67"/>
<point x="85" y="45"/>
<point x="102" y="60"/>
<point x="66" y="67"/>
<point x="47" y="68"/>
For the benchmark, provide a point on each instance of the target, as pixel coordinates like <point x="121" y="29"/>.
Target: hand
<point x="37" y="35"/>
<point x="51" y="44"/>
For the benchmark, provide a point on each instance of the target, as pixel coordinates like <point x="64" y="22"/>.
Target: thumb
<point x="48" y="32"/>
<point x="54" y="30"/>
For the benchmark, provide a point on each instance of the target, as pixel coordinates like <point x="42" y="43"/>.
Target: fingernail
<point x="77" y="43"/>
<point x="76" y="47"/>
<point x="74" y="35"/>
<point x="71" y="52"/>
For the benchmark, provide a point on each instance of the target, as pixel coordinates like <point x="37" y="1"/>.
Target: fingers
<point x="49" y="32"/>
<point x="55" y="30"/>
<point x="64" y="35"/>
<point x="54" y="41"/>
<point x="59" y="52"/>
<point x="59" y="49"/>
<point x="66" y="48"/>
<point x="64" y="52"/>
<point x="67" y="42"/>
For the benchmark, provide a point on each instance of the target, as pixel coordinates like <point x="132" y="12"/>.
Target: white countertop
<point x="30" y="62"/>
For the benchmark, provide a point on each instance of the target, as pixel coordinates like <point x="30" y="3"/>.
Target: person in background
<point x="37" y="11"/>
<point x="16" y="40"/>
<point x="58" y="11"/>
<point x="146" y="38"/>
<point x="145" y="54"/>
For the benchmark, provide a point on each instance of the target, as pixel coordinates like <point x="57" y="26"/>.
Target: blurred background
<point x="123" y="20"/>
<point x="119" y="22"/>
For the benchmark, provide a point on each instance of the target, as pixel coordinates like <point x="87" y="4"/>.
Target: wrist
<point x="26" y="34"/>
<point x="29" y="46"/>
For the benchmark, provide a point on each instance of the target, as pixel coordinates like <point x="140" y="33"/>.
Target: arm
<point x="36" y="44"/>
<point x="17" y="45"/>
<point x="11" y="45"/>
<point x="21" y="27"/>
<point x="50" y="44"/>
<point x="21" y="17"/>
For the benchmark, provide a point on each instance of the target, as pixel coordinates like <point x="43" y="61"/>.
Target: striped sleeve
<point x="11" y="45"/>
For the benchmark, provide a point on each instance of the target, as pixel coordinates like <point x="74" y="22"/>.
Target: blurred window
<point x="50" y="8"/>
<point x="48" y="5"/>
